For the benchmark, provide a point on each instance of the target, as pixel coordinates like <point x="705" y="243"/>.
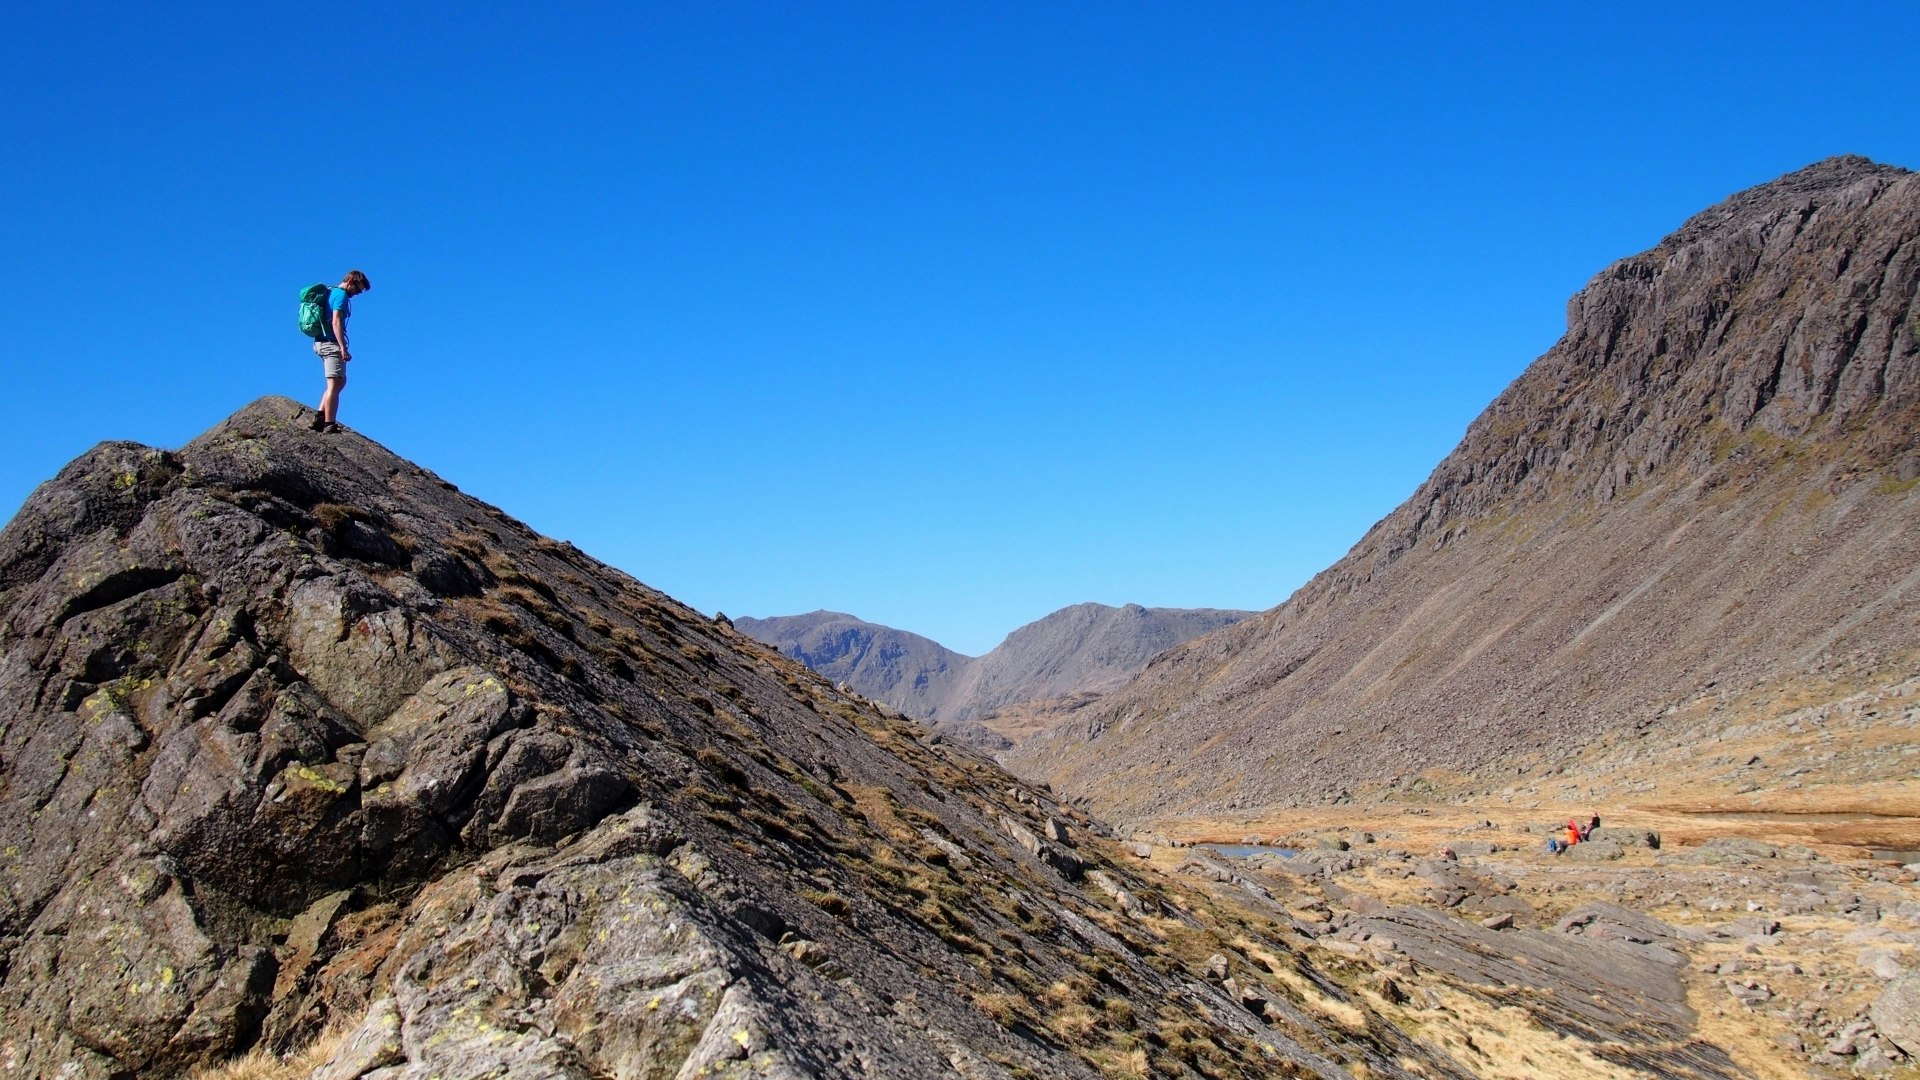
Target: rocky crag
<point x="300" y="746"/>
<point x="1707" y="493"/>
<point x="1044" y="669"/>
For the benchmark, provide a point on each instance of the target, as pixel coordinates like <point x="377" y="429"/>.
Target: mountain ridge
<point x="1072" y="654"/>
<point x="296" y="738"/>
<point x="911" y="673"/>
<point x="1746" y="390"/>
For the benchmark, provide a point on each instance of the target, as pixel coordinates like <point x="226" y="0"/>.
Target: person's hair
<point x="358" y="280"/>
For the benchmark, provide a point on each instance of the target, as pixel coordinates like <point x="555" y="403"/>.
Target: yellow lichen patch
<point x="114" y="696"/>
<point x="486" y="685"/>
<point x="317" y="779"/>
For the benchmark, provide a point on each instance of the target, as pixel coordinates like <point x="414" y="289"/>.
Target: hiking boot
<point x="330" y="429"/>
<point x="318" y="423"/>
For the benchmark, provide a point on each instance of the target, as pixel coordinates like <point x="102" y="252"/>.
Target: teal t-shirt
<point x="337" y="300"/>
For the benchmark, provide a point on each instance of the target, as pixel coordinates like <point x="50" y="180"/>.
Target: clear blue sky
<point x="943" y="315"/>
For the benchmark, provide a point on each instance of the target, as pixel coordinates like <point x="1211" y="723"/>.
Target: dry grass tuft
<point x="335" y="516"/>
<point x="539" y="606"/>
<point x="1002" y="1009"/>
<point x="471" y="544"/>
<point x="508" y="573"/>
<point x="722" y="766"/>
<point x="1075" y="1023"/>
<point x="1075" y="989"/>
<point x="832" y="903"/>
<point x="1129" y="1063"/>
<point x="261" y="1063"/>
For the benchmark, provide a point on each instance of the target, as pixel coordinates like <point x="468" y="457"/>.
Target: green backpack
<point x="315" y="311"/>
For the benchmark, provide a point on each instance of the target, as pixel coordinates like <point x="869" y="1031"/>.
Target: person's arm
<point x="340" y="335"/>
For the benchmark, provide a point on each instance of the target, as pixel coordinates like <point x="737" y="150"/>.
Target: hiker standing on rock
<point x="330" y="344"/>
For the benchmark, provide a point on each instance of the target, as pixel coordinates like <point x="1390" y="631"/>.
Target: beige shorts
<point x="329" y="354"/>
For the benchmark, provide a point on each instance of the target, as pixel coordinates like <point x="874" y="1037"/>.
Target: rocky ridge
<point x="1708" y="487"/>
<point x="299" y="743"/>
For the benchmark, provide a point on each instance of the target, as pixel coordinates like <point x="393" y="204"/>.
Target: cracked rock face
<point x="294" y="736"/>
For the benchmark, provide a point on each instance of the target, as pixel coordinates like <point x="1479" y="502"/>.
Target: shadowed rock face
<point x="291" y="731"/>
<point x="1708" y="482"/>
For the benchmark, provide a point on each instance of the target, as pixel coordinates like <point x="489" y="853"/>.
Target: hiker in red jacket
<point x="332" y="349"/>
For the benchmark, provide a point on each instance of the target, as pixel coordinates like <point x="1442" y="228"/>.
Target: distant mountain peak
<point x="1080" y="649"/>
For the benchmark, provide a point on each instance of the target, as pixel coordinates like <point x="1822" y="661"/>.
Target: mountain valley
<point x="313" y="766"/>
<point x="1043" y="671"/>
<point x="1705" y="494"/>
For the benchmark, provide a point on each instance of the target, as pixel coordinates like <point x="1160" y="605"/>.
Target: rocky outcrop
<point x="295" y="736"/>
<point x="1708" y="483"/>
<point x="1897" y="1012"/>
<point x="1075" y="653"/>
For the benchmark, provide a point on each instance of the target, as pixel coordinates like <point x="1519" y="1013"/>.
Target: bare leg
<point x="330" y="401"/>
